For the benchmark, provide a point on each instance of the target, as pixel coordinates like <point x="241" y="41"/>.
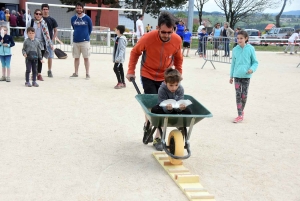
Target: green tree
<point x="199" y="6"/>
<point x="180" y="15"/>
<point x="110" y="3"/>
<point x="279" y="14"/>
<point x="238" y="10"/>
<point x="152" y="7"/>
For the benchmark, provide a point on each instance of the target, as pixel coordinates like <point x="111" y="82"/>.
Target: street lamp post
<point x="191" y="15"/>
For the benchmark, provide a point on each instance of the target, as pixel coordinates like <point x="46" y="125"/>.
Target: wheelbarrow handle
<point x="135" y="85"/>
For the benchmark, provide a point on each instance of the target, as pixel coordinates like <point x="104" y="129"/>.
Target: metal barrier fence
<point x="100" y="39"/>
<point x="215" y="49"/>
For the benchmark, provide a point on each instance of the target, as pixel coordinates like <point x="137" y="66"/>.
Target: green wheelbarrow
<point x="178" y="139"/>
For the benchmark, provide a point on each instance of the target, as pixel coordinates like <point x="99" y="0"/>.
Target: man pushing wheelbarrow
<point x="161" y="49"/>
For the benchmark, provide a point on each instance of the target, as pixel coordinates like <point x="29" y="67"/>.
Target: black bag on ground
<point x="60" y="54"/>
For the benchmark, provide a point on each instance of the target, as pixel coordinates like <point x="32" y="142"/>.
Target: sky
<point x="211" y="6"/>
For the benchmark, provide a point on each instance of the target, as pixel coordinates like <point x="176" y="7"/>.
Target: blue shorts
<point x="5" y="60"/>
<point x="50" y="52"/>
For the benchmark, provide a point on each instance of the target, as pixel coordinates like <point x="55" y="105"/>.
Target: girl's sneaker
<point x="2" y="78"/>
<point x="238" y="119"/>
<point x="7" y="79"/>
<point x="35" y="84"/>
<point x="124" y="85"/>
<point x="27" y="84"/>
<point x="119" y="86"/>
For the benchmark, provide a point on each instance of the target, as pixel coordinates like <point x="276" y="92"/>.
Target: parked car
<point x="254" y="36"/>
<point x="278" y="33"/>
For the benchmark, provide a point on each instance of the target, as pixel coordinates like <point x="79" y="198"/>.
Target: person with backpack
<point x="52" y="27"/>
<point x="42" y="34"/>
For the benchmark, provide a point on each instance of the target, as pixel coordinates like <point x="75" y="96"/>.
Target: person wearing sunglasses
<point x="42" y="34"/>
<point x="52" y="27"/>
<point x="161" y="49"/>
<point x="216" y="38"/>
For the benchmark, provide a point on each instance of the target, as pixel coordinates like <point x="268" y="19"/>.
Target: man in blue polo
<point x="82" y="25"/>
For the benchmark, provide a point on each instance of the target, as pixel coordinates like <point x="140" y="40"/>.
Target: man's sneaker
<point x="35" y="84"/>
<point x="119" y="86"/>
<point x="291" y="53"/>
<point x="27" y="84"/>
<point x="87" y="76"/>
<point x="7" y="79"/>
<point x="2" y="78"/>
<point x="124" y="85"/>
<point x="50" y="73"/>
<point x="150" y="138"/>
<point x="74" y="75"/>
<point x="157" y="144"/>
<point x="238" y="119"/>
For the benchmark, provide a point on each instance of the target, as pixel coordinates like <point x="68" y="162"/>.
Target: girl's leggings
<point x="241" y="89"/>
<point x="118" y="68"/>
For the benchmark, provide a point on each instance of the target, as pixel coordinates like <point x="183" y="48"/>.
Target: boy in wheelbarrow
<point x="170" y="89"/>
<point x="161" y="49"/>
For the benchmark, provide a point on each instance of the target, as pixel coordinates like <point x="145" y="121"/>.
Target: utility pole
<point x="191" y="15"/>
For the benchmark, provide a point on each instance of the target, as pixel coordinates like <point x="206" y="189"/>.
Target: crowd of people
<point x="159" y="74"/>
<point x="16" y="19"/>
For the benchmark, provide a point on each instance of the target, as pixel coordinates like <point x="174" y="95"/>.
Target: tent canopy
<point x="269" y="26"/>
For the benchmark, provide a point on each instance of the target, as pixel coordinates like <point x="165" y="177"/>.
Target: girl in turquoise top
<point x="216" y="38"/>
<point x="6" y="42"/>
<point x="244" y="63"/>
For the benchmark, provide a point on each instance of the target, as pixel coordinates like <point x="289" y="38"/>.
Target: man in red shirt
<point x="161" y="49"/>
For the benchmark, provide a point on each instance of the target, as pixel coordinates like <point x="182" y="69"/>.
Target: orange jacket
<point x="157" y="55"/>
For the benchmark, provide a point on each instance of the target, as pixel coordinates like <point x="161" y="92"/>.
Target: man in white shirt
<point x="291" y="42"/>
<point x="202" y="25"/>
<point x="139" y="27"/>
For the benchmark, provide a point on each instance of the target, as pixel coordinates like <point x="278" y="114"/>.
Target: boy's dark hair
<point x="79" y="4"/>
<point x="245" y="34"/>
<point x="23" y="11"/>
<point x="30" y="29"/>
<point x="186" y="29"/>
<point x="238" y="28"/>
<point x="45" y="5"/>
<point x="204" y="29"/>
<point x="167" y="19"/>
<point x="121" y="28"/>
<point x="172" y="76"/>
<point x="139" y="16"/>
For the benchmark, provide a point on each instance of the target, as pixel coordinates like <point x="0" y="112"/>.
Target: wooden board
<point x="185" y="180"/>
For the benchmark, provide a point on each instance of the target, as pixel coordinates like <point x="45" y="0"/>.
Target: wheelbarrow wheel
<point x="176" y="146"/>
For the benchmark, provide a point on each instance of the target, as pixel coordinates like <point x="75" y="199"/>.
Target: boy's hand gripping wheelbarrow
<point x="178" y="139"/>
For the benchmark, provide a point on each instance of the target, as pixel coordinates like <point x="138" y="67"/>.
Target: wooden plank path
<point x="185" y="180"/>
